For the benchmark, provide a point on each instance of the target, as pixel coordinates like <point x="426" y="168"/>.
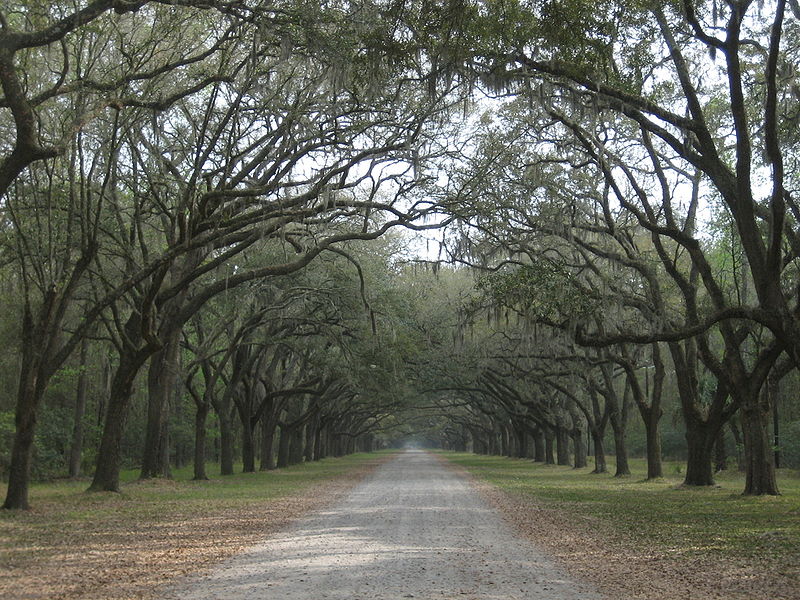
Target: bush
<point x="6" y="438"/>
<point x="790" y="445"/>
<point x="673" y="444"/>
<point x="51" y="448"/>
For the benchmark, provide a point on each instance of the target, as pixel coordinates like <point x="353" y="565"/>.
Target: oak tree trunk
<point x="248" y="445"/>
<point x="655" y="468"/>
<point x="283" y="448"/>
<point x="620" y="449"/>
<point x="538" y="445"/>
<point x="33" y="379"/>
<point x="580" y="448"/>
<point x="296" y="445"/>
<point x="758" y="454"/>
<point x="504" y="447"/>
<point x="562" y="446"/>
<point x="106" y="476"/>
<point x="549" y="439"/>
<point x="699" y="441"/>
<point x="310" y="437"/>
<point x="522" y="442"/>
<point x="28" y="399"/>
<point x="268" y="426"/>
<point x="600" y="465"/>
<point x="162" y="378"/>
<point x="319" y="443"/>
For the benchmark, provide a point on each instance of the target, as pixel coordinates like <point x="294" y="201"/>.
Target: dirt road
<point x="414" y="529"/>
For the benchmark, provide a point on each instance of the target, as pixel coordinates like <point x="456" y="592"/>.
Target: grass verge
<point x="74" y="544"/>
<point x="704" y="536"/>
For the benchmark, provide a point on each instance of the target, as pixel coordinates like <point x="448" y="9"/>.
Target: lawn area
<point x="686" y="522"/>
<point x="62" y="504"/>
<point x="74" y="544"/>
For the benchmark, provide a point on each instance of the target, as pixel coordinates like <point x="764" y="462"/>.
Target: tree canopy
<point x="287" y="230"/>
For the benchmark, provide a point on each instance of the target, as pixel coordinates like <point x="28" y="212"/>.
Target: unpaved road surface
<point x="414" y="529"/>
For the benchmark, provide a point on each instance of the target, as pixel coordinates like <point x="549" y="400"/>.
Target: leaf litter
<point x="620" y="566"/>
<point x="132" y="556"/>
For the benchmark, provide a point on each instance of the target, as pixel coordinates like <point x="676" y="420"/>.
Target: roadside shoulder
<point x="622" y="567"/>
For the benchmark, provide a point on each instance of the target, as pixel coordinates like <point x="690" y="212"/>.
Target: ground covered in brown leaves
<point x="133" y="554"/>
<point x="620" y="567"/>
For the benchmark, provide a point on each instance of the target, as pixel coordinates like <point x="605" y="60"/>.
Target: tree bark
<point x="283" y="448"/>
<point x="597" y="420"/>
<point x="248" y="445"/>
<point x="165" y="444"/>
<point x="319" y="443"/>
<point x="701" y="425"/>
<point x="655" y="469"/>
<point x="296" y="445"/>
<point x="579" y="445"/>
<point x="105" y="391"/>
<point x="699" y="442"/>
<point x="600" y="465"/>
<point x="621" y="453"/>
<point x="648" y="401"/>
<point x="268" y="426"/>
<point x="106" y="476"/>
<point x="504" y="447"/>
<point x="538" y="445"/>
<point x="618" y="417"/>
<point x="33" y="379"/>
<point x="522" y="442"/>
<point x="161" y="380"/>
<point x="549" y="439"/>
<point x="311" y="435"/>
<point x="177" y="449"/>
<point x="759" y="466"/>
<point x="336" y="445"/>
<point x="562" y="446"/>
<point x="28" y="398"/>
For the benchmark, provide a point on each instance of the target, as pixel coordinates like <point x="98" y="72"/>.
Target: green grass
<point x="62" y="506"/>
<point x="715" y="521"/>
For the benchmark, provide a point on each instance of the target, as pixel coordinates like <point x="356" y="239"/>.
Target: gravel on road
<point x="413" y="529"/>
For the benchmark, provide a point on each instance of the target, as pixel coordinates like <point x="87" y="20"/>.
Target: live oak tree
<point x="303" y="183"/>
<point x="566" y="243"/>
<point x="62" y="67"/>
<point x="532" y="170"/>
<point x="719" y="106"/>
<point x="161" y="162"/>
<point x="282" y="149"/>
